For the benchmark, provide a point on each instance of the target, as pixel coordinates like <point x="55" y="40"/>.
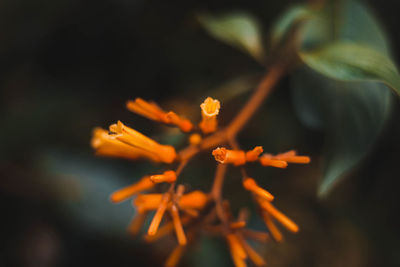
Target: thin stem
<point x="264" y="88"/>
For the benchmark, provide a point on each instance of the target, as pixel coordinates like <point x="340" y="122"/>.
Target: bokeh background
<point x="69" y="66"/>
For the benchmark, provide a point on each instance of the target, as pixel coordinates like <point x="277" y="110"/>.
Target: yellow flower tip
<point x="166" y="177"/>
<point x="220" y="154"/>
<point x="193" y="200"/>
<point x="267" y="160"/>
<point x="209" y="111"/>
<point x="253" y="155"/>
<point x="195" y="139"/>
<point x="210" y="107"/>
<point x="180" y="234"/>
<point x="120" y="195"/>
<point x="235" y="157"/>
<point x="251" y="185"/>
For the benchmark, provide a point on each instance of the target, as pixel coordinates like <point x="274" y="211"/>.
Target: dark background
<point x="69" y="66"/>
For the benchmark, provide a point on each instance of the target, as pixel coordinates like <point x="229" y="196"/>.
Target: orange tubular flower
<point x="180" y="234"/>
<point x="155" y="223"/>
<point x="175" y="256"/>
<point x="193" y="200"/>
<point x="279" y="216"/>
<point x="291" y="157"/>
<point x="237" y="251"/>
<point x="152" y="111"/>
<point x="144" y="184"/>
<point x="107" y="145"/>
<point x="235" y="157"/>
<point x="148" y="147"/>
<point x="253" y="155"/>
<point x="209" y="111"/>
<point x="166" y="177"/>
<point x="137" y="222"/>
<point x="195" y="139"/>
<point x="253" y="255"/>
<point x="251" y="185"/>
<point x="268" y="160"/>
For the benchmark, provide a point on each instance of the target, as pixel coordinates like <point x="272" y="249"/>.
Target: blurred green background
<point x="69" y="66"/>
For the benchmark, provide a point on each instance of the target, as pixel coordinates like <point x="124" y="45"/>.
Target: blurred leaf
<point x="353" y="62"/>
<point x="351" y="113"/>
<point x="286" y="22"/>
<point x="239" y="30"/>
<point x="345" y="42"/>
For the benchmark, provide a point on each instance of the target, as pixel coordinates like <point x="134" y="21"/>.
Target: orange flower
<point x="237" y="251"/>
<point x="281" y="160"/>
<point x="180" y="234"/>
<point x="155" y="223"/>
<point x="106" y="145"/>
<point x="166" y="177"/>
<point x="251" y="185"/>
<point x="253" y="155"/>
<point x="195" y="139"/>
<point x="279" y="216"/>
<point x="291" y="157"/>
<point x="268" y="160"/>
<point x="209" y="111"/>
<point x="175" y="256"/>
<point x="148" y="147"/>
<point x="122" y="194"/>
<point x="152" y="111"/>
<point x="253" y="255"/>
<point x="193" y="200"/>
<point x="235" y="157"/>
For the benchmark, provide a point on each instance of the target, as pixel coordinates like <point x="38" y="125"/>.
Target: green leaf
<point x="350" y="101"/>
<point x="353" y="62"/>
<point x="287" y="21"/>
<point x="239" y="30"/>
<point x="351" y="113"/>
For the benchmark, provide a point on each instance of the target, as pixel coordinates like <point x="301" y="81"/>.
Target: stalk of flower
<point x="106" y="145"/>
<point x="166" y="177"/>
<point x="165" y="153"/>
<point x="152" y="111"/>
<point x="251" y="185"/>
<point x="255" y="235"/>
<point x="209" y="111"/>
<point x="122" y="194"/>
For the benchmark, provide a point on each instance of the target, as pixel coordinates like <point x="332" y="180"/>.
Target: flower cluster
<point x="195" y="211"/>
